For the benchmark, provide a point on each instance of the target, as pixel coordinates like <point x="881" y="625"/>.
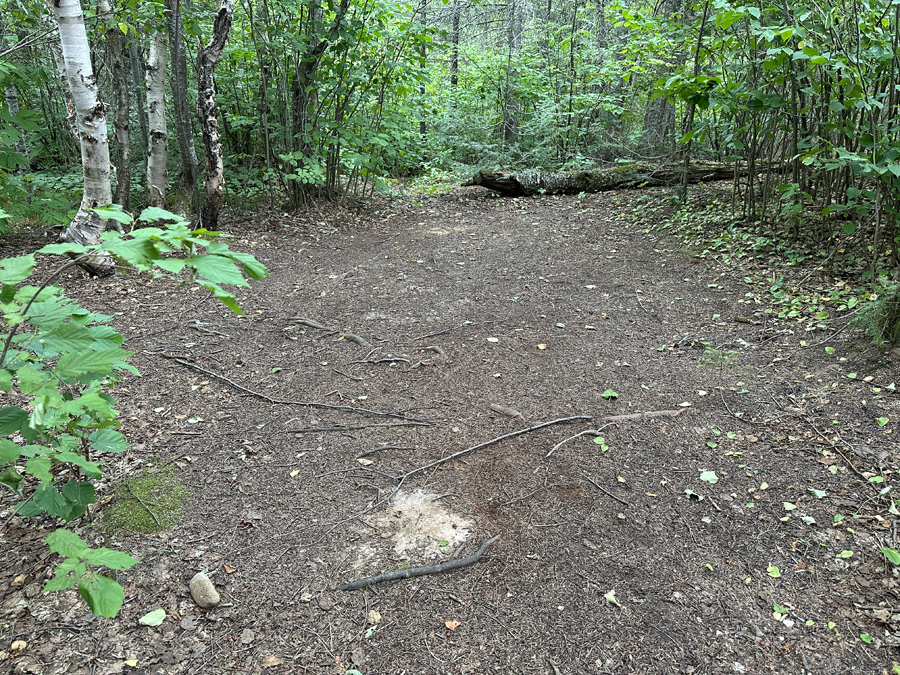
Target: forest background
<point x="325" y="99"/>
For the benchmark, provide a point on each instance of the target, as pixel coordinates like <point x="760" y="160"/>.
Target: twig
<point x="354" y="427"/>
<point x="593" y="432"/>
<point x="155" y="519"/>
<point x="608" y="493"/>
<point x="309" y="323"/>
<point x="533" y="492"/>
<point x="638" y="296"/>
<point x="462" y="325"/>
<point x="402" y="479"/>
<point x="448" y="566"/>
<point x="383" y="447"/>
<point x="838" y="451"/>
<point x="279" y="401"/>
<point x="643" y="415"/>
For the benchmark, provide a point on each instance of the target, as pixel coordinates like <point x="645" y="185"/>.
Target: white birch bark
<point x="156" y="117"/>
<point x="207" y="111"/>
<point x="90" y="121"/>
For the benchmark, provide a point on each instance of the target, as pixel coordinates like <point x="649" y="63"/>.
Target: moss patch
<point x="161" y="494"/>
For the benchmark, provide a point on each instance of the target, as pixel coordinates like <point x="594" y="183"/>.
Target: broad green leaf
<point x="709" y="477"/>
<point x="66" y="575"/>
<point x="174" y="265"/>
<point x="114" y="560"/>
<point x="17" y="269"/>
<point x="79" y="492"/>
<point x="51" y="501"/>
<point x="114" y="212"/>
<point x="11" y="419"/>
<point x="67" y="544"/>
<point x="59" y="249"/>
<point x="222" y="296"/>
<point x="9" y="451"/>
<point x="83" y="362"/>
<point x="12" y="479"/>
<point x="892" y="554"/>
<point x="103" y="595"/>
<point x="67" y="337"/>
<point x="39" y="467"/>
<point x="108" y="440"/>
<point x="609" y="395"/>
<point x="773" y="571"/>
<point x="153" y="213"/>
<point x="218" y="269"/>
<point x="252" y="267"/>
<point x="6" y="380"/>
<point x="154" y="618"/>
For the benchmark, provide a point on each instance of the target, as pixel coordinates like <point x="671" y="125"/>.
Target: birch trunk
<point x="90" y="121"/>
<point x="184" y="128"/>
<point x="115" y="48"/>
<point x="158" y="142"/>
<point x="207" y="111"/>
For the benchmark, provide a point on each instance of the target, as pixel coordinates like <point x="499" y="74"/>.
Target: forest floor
<point x="730" y="520"/>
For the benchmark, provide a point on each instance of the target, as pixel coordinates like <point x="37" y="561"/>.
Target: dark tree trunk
<point x="184" y="127"/>
<point x="208" y="111"/>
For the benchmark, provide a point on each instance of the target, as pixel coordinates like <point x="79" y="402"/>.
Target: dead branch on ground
<point x="369" y="582"/>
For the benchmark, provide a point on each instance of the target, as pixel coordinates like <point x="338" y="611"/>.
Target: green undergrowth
<point x="790" y="282"/>
<point x="146" y="504"/>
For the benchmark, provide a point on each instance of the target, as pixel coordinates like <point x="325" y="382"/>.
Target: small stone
<point x="203" y="592"/>
<point x="247" y="636"/>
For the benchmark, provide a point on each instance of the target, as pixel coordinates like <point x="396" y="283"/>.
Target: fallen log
<point x="601" y="180"/>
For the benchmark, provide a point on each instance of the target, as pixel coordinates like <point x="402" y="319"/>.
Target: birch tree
<point x="90" y="123"/>
<point x="207" y="111"/>
<point x="157" y="149"/>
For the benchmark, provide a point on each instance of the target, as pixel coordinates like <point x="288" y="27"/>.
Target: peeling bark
<point x="207" y="111"/>
<point x="90" y="120"/>
<point x="158" y="142"/>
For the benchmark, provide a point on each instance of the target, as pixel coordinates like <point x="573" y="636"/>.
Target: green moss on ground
<point x="161" y="493"/>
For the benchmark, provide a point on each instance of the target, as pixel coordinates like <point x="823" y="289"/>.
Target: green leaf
<point x="881" y="421"/>
<point x="66" y="575"/>
<point x="6" y="380"/>
<point x="773" y="571"/>
<point x="153" y="213"/>
<point x="11" y="419"/>
<point x="80" y="493"/>
<point x="779" y="609"/>
<point x="609" y="395"/>
<point x="709" y="477"/>
<point x="788" y="506"/>
<point x="114" y="560"/>
<point x="67" y="337"/>
<point x="84" y="362"/>
<point x="114" y="212"/>
<point x="845" y="554"/>
<point x="173" y="265"/>
<point x="15" y="270"/>
<point x="154" y="618"/>
<point x="818" y="494"/>
<point x="218" y="269"/>
<point x="108" y="440"/>
<point x="892" y="554"/>
<point x="865" y="637"/>
<point x="103" y="595"/>
<point x="59" y="249"/>
<point x="222" y="296"/>
<point x="9" y="451"/>
<point x="50" y="500"/>
<point x="12" y="479"/>
<point x="67" y="544"/>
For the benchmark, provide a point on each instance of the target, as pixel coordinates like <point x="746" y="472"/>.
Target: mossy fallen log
<point x="599" y="180"/>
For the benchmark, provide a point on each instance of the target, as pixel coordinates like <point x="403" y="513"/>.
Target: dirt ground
<point x="737" y="529"/>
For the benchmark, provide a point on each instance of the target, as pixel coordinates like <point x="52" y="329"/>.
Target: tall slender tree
<point x="90" y="120"/>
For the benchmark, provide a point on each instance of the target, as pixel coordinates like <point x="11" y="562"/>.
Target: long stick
<point x="419" y="571"/>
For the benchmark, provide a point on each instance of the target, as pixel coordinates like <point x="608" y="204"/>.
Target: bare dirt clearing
<point x="447" y="323"/>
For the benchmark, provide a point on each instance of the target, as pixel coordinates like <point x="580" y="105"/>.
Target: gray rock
<point x="203" y="592"/>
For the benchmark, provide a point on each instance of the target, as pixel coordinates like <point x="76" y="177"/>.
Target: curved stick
<point x="419" y="571"/>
